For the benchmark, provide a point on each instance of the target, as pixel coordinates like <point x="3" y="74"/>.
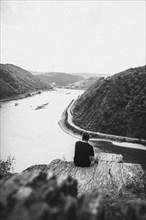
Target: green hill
<point x="15" y="80"/>
<point x="58" y="78"/>
<point x="115" y="106"/>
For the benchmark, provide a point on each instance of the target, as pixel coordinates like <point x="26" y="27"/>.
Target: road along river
<point x="30" y="131"/>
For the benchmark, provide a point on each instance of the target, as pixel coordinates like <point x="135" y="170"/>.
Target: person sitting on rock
<point x="84" y="153"/>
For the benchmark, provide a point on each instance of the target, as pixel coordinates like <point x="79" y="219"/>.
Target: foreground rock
<point x="109" y="174"/>
<point x="36" y="195"/>
<point x="110" y="190"/>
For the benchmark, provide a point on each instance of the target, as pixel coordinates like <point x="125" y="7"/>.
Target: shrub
<point x="6" y="166"/>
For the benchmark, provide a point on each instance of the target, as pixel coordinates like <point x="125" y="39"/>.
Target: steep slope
<point x="59" y="79"/>
<point x="15" y="80"/>
<point x="116" y="106"/>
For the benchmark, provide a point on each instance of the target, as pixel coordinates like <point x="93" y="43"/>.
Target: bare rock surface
<point x="109" y="173"/>
<point x="109" y="190"/>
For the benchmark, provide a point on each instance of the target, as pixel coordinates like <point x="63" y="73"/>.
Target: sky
<point x="73" y="36"/>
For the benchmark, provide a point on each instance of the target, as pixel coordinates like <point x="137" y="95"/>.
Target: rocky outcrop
<point x="109" y="174"/>
<point x="118" y="182"/>
<point x="60" y="191"/>
<point x="37" y="195"/>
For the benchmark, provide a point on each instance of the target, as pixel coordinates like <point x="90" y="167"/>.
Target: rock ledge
<point x="61" y="191"/>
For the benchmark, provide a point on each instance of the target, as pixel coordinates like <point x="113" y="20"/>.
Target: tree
<point x="6" y="167"/>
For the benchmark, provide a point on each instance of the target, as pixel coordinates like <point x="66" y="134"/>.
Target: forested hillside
<point x="15" y="80"/>
<point x="115" y="106"/>
<point x="59" y="79"/>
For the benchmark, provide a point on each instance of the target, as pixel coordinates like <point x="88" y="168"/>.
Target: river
<point x="30" y="132"/>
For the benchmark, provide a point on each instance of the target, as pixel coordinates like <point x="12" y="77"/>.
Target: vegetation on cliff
<point x="6" y="167"/>
<point x="116" y="106"/>
<point x="15" y="80"/>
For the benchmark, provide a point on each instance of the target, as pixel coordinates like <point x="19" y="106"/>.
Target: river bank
<point x="22" y="96"/>
<point x="69" y="127"/>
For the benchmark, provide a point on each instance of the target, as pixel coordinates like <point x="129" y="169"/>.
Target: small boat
<point x="16" y="104"/>
<point x="41" y="106"/>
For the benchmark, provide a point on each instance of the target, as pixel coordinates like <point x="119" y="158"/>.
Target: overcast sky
<point x="73" y="36"/>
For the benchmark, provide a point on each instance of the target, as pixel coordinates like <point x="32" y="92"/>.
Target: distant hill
<point x="115" y="106"/>
<point x="15" y="80"/>
<point x="90" y="75"/>
<point x="58" y="78"/>
<point x="86" y="83"/>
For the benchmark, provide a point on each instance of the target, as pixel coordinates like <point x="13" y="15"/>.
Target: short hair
<point x="85" y="136"/>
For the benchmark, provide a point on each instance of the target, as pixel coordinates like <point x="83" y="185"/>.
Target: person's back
<point x="83" y="152"/>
